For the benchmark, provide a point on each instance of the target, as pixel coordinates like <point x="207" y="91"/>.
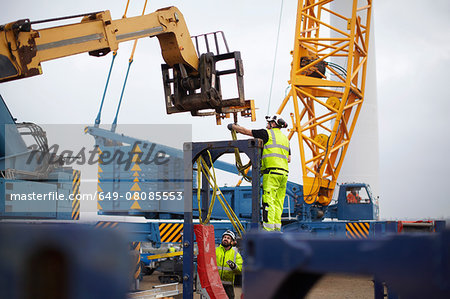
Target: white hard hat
<point x="277" y="119"/>
<point x="230" y="233"/>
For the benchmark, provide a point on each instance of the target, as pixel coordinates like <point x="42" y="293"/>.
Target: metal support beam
<point x="188" y="228"/>
<point x="252" y="148"/>
<point x="411" y="265"/>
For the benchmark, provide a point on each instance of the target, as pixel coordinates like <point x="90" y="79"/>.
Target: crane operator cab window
<point x="357" y="196"/>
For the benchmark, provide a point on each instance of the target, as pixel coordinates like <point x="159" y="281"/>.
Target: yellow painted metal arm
<point x="169" y="26"/>
<point x="328" y="80"/>
<point x="164" y="255"/>
<point x="22" y="49"/>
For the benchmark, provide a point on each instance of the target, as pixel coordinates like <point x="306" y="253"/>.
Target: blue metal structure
<point x="252" y="148"/>
<point x="342" y="209"/>
<point x="350" y="229"/>
<point x="344" y="218"/>
<point x="288" y="264"/>
<point x="33" y="179"/>
<point x="44" y="260"/>
<point x="117" y="178"/>
<point x="138" y="177"/>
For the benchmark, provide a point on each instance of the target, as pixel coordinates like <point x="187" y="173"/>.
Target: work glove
<point x="230" y="127"/>
<point x="231" y="264"/>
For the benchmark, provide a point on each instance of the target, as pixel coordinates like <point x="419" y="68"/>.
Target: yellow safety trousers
<point x="274" y="192"/>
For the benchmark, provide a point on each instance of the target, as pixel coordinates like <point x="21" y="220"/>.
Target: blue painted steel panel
<point x="57" y="186"/>
<point x="350" y="229"/>
<point x="288" y="264"/>
<point x="62" y="261"/>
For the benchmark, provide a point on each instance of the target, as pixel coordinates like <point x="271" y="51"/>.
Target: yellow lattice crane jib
<point x="327" y="88"/>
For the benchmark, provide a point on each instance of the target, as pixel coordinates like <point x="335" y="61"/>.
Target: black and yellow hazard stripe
<point x="75" y="191"/>
<point x="136" y="246"/>
<point x="106" y="224"/>
<point x="170" y="232"/>
<point x="357" y="230"/>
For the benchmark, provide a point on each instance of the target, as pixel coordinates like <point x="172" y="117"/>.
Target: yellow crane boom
<point x="327" y="89"/>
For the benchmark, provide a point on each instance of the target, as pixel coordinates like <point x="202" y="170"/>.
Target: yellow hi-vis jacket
<point x="225" y="272"/>
<point x="276" y="150"/>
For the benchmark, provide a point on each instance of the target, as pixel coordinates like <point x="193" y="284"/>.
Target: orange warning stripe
<point x="75" y="191"/>
<point x="137" y="247"/>
<point x="365" y="227"/>
<point x="357" y="230"/>
<point x="106" y="224"/>
<point x="170" y="232"/>
<point x="100" y="170"/>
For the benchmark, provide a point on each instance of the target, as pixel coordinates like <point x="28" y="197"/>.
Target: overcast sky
<point x="412" y="57"/>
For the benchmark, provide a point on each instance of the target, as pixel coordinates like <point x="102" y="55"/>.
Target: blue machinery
<point x="355" y="221"/>
<point x="27" y="174"/>
<point x="398" y="260"/>
<point x="127" y="178"/>
<point x="338" y="253"/>
<point x="288" y="265"/>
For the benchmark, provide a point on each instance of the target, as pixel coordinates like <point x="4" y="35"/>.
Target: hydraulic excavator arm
<point x="195" y="84"/>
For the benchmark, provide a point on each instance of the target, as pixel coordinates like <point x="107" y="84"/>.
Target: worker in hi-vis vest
<point x="353" y="196"/>
<point x="274" y="166"/>
<point x="229" y="262"/>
